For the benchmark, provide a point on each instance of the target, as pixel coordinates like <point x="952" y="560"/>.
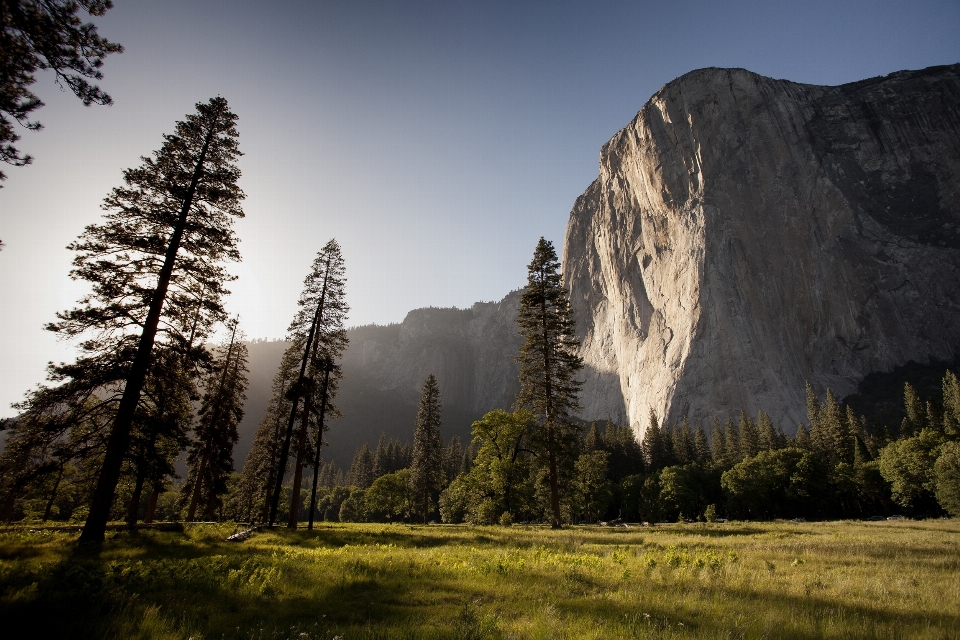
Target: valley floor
<point x="347" y="581"/>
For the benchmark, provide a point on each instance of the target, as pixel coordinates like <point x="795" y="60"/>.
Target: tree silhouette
<point x="46" y="34"/>
<point x="426" y="471"/>
<point x="165" y="236"/>
<point x="211" y="453"/>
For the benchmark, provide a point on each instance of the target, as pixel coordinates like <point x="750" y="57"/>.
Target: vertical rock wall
<point x="748" y="234"/>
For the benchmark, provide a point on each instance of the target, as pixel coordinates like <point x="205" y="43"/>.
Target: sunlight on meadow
<point x="734" y="580"/>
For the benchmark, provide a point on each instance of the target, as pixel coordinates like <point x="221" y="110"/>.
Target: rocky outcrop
<point x="747" y="234"/>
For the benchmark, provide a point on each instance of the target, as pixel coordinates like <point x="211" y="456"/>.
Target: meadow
<point x="346" y="581"/>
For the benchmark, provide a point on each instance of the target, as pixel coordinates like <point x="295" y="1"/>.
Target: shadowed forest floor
<point x="733" y="580"/>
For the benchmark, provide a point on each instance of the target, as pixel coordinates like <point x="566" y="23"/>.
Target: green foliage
<point x="946" y="477"/>
<point x="907" y="465"/>
<point x="592" y="488"/>
<point x="390" y="497"/>
<point x="775" y="484"/>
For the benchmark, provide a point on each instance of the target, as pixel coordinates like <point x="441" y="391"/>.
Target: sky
<point x="436" y="141"/>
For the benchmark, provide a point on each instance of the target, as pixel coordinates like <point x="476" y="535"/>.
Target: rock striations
<point x="748" y="234"/>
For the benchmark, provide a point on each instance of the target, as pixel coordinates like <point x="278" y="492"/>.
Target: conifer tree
<point x="380" y="457"/>
<point x="211" y="454"/>
<point x="654" y="448"/>
<point x="426" y="470"/>
<point x="46" y="35"/>
<point x="733" y="443"/>
<point x="802" y="439"/>
<point x="683" y="445"/>
<point x="749" y="437"/>
<point x="718" y="443"/>
<point x="701" y="447"/>
<point x="261" y="466"/>
<point x="768" y="439"/>
<point x="318" y="330"/>
<point x="916" y="412"/>
<point x="836" y="444"/>
<point x="166" y="231"/>
<point x="951" y="405"/>
<point x="360" y="473"/>
<point x="548" y="366"/>
<point x="452" y="458"/>
<point x="591" y="442"/>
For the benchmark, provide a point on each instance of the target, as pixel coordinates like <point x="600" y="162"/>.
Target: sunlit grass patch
<point x="738" y="580"/>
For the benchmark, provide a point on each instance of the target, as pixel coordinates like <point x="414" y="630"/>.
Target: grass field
<point x="733" y="580"/>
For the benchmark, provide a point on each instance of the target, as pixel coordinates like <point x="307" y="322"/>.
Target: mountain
<point x="746" y="235"/>
<point x="470" y="351"/>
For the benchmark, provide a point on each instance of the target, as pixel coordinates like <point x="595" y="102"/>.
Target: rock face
<point x="748" y="234"/>
<point x="471" y="351"/>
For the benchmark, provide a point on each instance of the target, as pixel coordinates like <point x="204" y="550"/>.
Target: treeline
<point x="834" y="467"/>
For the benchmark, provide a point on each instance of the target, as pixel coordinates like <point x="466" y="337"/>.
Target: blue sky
<point x="437" y="141"/>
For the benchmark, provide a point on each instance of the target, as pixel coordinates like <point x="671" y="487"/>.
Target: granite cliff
<point x="746" y="235"/>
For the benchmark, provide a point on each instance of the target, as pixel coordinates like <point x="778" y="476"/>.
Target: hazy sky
<point x="437" y="141"/>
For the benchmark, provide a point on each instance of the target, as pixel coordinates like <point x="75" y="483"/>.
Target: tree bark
<point x="53" y="495"/>
<point x="119" y="439"/>
<point x="151" y="506"/>
<point x="134" y="509"/>
<point x="298" y="474"/>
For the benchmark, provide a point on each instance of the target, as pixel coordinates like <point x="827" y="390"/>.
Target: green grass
<point x="734" y="580"/>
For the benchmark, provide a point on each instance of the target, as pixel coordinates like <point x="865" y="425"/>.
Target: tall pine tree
<point x="548" y="367"/>
<point x="426" y="471"/>
<point x="166" y="231"/>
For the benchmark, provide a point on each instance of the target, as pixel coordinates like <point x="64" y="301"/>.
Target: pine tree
<point x="836" y="443"/>
<point x="733" y="443"/>
<point x="718" y="443"/>
<point x="916" y="412"/>
<point x="361" y="468"/>
<point x="46" y="35"/>
<point x="749" y="437"/>
<point x="802" y="439"/>
<point x="211" y="454"/>
<point x="166" y="232"/>
<point x="548" y="366"/>
<point x="654" y="448"/>
<point x="452" y="458"/>
<point x="260" y="469"/>
<point x="318" y="329"/>
<point x="381" y="460"/>
<point x="426" y="470"/>
<point x="951" y="405"/>
<point x="683" y="444"/>
<point x="701" y="447"/>
<point x="591" y="442"/>
<point x="768" y="435"/>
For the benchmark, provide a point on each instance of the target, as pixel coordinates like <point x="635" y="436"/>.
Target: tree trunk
<point x="288" y="436"/>
<point x="298" y="471"/>
<point x="151" y="506"/>
<point x="53" y="495"/>
<point x="8" y="506"/>
<point x="134" y="509"/>
<point x="316" y="459"/>
<point x="197" y="484"/>
<point x="119" y="439"/>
